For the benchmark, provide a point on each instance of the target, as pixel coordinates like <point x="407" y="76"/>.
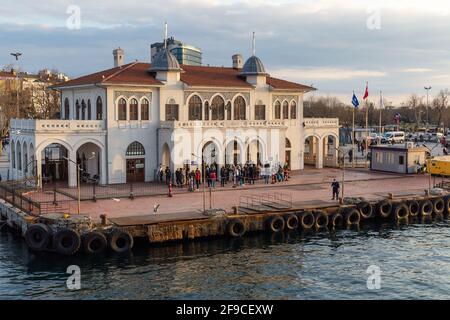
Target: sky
<point x="335" y="45"/>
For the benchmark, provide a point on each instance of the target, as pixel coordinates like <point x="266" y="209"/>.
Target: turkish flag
<point x="366" y="94"/>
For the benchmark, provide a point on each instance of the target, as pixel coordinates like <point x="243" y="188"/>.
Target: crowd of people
<point x="231" y="175"/>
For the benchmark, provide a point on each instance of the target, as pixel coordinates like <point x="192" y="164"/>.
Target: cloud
<point x="327" y="73"/>
<point x="416" y="70"/>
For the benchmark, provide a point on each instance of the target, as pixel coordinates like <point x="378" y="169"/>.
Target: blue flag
<point x="355" y="101"/>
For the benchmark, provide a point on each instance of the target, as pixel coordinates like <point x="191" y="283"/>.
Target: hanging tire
<point x="414" y="208"/>
<point x="384" y="209"/>
<point x="67" y="241"/>
<point x="236" y="228"/>
<point x="38" y="236"/>
<point x="291" y="221"/>
<point x="366" y="210"/>
<point x="438" y="206"/>
<point x="94" y="242"/>
<point x="447" y="204"/>
<point x="352" y="216"/>
<point x="120" y="241"/>
<point x="321" y="220"/>
<point x="307" y="220"/>
<point x="426" y="208"/>
<point x="337" y="220"/>
<point x="276" y="224"/>
<point x="401" y="211"/>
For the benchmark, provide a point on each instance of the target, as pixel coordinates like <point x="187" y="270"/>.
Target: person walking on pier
<point x="198" y="177"/>
<point x="335" y="189"/>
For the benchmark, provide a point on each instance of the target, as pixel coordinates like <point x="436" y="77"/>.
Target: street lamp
<point x="17" y="55"/>
<point x="78" y="177"/>
<point x="428" y="89"/>
<point x="204" y="179"/>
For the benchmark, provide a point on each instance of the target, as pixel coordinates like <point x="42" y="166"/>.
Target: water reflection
<point x="413" y="256"/>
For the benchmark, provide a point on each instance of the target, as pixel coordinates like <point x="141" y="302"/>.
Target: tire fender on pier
<point x="94" y="242"/>
<point x="38" y="236"/>
<point x="307" y="220"/>
<point x="337" y="220"/>
<point x="401" y="211"/>
<point x="276" y="224"/>
<point x="236" y="228"/>
<point x="291" y="221"/>
<point x="414" y="208"/>
<point x="447" y="204"/>
<point x="352" y="216"/>
<point x="426" y="208"/>
<point x="321" y="219"/>
<point x="67" y="241"/>
<point x="384" y="209"/>
<point x="120" y="241"/>
<point x="438" y="205"/>
<point x="365" y="209"/>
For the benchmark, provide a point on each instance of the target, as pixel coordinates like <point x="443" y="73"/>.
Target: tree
<point x="440" y="104"/>
<point x="415" y="103"/>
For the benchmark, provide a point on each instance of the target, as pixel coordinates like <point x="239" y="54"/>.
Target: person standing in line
<point x="335" y="189"/>
<point x="198" y="177"/>
<point x="223" y="176"/>
<point x="168" y="175"/>
<point x="213" y="178"/>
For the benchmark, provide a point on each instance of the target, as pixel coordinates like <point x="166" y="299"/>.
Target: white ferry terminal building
<point x="122" y="123"/>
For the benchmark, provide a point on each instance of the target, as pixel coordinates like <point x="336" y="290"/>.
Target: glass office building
<point x="185" y="54"/>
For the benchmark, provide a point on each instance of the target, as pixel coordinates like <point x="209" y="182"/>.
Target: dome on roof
<point x="165" y="61"/>
<point x="253" y="66"/>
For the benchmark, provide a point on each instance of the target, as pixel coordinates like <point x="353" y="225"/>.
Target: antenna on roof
<point x="254" y="44"/>
<point x="165" y="35"/>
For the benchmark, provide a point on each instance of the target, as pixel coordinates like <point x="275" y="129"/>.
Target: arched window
<point x="239" y="108"/>
<point x="287" y="143"/>
<point x="83" y="110"/>
<point x="293" y="110"/>
<point x="99" y="108"/>
<point x="19" y="156"/>
<point x="171" y="110"/>
<point x="206" y="110"/>
<point x="13" y="154"/>
<point x="217" y="108"/>
<point x="122" y="109"/>
<point x="77" y="107"/>
<point x="25" y="157"/>
<point x="260" y="111"/>
<point x="89" y="110"/>
<point x="66" y="109"/>
<point x="285" y="110"/>
<point x="145" y="115"/>
<point x="228" y="110"/>
<point x="134" y="115"/>
<point x="277" y="110"/>
<point x="195" y="108"/>
<point x="135" y="149"/>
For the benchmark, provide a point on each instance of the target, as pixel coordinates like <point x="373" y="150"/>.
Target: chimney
<point x="118" y="57"/>
<point x="237" y="61"/>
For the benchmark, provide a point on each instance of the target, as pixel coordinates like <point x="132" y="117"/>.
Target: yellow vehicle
<point x="439" y="166"/>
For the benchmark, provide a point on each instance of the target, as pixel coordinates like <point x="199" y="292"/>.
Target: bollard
<point x="103" y="219"/>
<point x="170" y="190"/>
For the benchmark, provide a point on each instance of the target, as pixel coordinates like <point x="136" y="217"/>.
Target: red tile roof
<point x="7" y="75"/>
<point x="196" y="76"/>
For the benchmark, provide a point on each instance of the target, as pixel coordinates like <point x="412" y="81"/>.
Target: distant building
<point x="184" y="53"/>
<point x="404" y="158"/>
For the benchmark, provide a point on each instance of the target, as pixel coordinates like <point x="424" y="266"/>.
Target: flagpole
<point x="367" y="124"/>
<point x="353" y="135"/>
<point x="381" y="106"/>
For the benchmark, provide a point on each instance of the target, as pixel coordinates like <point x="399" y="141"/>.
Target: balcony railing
<point x="225" y="124"/>
<point x="321" y="122"/>
<point x="57" y="125"/>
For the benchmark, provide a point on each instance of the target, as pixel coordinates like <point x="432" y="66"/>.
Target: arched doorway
<point x="287" y="152"/>
<point x="54" y="163"/>
<point x="311" y="151"/>
<point x="210" y="154"/>
<point x="135" y="162"/>
<point x="330" y="145"/>
<point x="89" y="159"/>
<point x="255" y="153"/>
<point x="233" y="153"/>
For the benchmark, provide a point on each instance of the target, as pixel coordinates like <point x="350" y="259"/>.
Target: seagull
<point x="156" y="207"/>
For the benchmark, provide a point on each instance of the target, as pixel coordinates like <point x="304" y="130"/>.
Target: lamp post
<point x="17" y="55"/>
<point x="204" y="179"/>
<point x="428" y="89"/>
<point x="78" y="178"/>
<point x="343" y="169"/>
